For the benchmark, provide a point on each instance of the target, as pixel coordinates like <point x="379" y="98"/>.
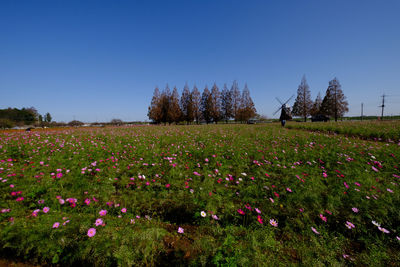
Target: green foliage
<point x="224" y="186"/>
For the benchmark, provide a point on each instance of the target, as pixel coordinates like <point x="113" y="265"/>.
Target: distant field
<point x="245" y="195"/>
<point x="381" y="130"/>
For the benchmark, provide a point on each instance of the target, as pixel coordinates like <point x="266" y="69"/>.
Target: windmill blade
<point x="289" y="99"/>
<point x="277" y="111"/>
<point x="280" y="102"/>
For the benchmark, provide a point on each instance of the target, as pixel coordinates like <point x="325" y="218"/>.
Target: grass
<point x="379" y="130"/>
<point x="241" y="176"/>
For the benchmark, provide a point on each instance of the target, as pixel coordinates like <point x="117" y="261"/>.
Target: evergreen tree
<point x="317" y="105"/>
<point x="235" y="94"/>
<point x="226" y="104"/>
<point x="206" y="105"/>
<point x="247" y="109"/>
<point x="334" y="103"/>
<point x="47" y="117"/>
<point x="186" y="105"/>
<point x="175" y="113"/>
<point x="196" y="101"/>
<point x="164" y="105"/>
<point x="154" y="111"/>
<point x="215" y="103"/>
<point x="303" y="103"/>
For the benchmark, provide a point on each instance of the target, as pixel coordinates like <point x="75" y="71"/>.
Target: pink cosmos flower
<point x="273" y="223"/>
<point x="46" y="209"/>
<point x="354" y="210"/>
<point x="314" y="230"/>
<point x="259" y="219"/>
<point x="98" y="222"/>
<point x="241" y="212"/>
<point x="383" y="230"/>
<point x="91" y="232"/>
<point x="323" y="218"/>
<point x="56" y="224"/>
<point x="123" y="210"/>
<point x="103" y="212"/>
<point x="350" y="225"/>
<point x="35" y="212"/>
<point x="257" y="210"/>
<point x="181" y="230"/>
<point x="87" y="201"/>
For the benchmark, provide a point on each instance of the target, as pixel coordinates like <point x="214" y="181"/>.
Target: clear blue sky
<point x="98" y="60"/>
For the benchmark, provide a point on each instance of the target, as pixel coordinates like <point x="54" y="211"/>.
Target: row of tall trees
<point x="334" y="103"/>
<point x="209" y="106"/>
<point x="26" y="116"/>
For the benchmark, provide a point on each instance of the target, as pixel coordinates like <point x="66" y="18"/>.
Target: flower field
<point x="245" y="195"/>
<point x="376" y="130"/>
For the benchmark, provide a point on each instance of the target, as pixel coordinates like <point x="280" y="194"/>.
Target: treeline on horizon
<point x="210" y="106"/>
<point x="11" y="117"/>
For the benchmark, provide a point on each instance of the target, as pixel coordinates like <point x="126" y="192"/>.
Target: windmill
<point x="285" y="111"/>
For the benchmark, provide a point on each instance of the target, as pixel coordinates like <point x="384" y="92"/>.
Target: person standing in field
<point x="285" y="115"/>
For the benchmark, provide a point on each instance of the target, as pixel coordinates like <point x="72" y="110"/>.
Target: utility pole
<point x="362" y="107"/>
<point x="383" y="105"/>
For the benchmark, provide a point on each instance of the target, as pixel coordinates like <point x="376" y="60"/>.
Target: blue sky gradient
<point x="98" y="60"/>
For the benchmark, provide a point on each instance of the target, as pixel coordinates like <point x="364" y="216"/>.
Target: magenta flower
<point x="181" y="230"/>
<point x="123" y="210"/>
<point x="241" y="212"/>
<point x="323" y="218"/>
<point x="259" y="219"/>
<point x="91" y="232"/>
<point x="46" y="209"/>
<point x="56" y="224"/>
<point x="103" y="212"/>
<point x="98" y="222"/>
<point x="354" y="210"/>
